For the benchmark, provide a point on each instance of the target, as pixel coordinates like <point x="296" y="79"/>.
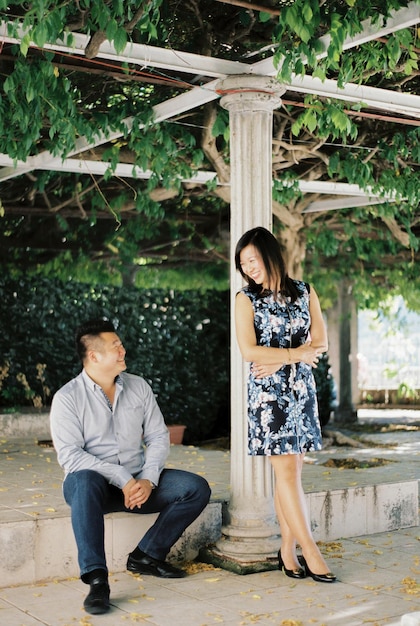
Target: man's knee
<point x="83" y="484"/>
<point x="200" y="486"/>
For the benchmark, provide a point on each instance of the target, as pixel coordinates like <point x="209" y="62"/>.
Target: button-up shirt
<point x="125" y="440"/>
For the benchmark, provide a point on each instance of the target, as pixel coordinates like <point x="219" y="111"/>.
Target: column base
<point x="213" y="556"/>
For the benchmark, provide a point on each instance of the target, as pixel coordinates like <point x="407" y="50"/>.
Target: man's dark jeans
<point x="179" y="498"/>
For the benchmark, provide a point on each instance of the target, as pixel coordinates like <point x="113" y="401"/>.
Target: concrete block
<point x="55" y="551"/>
<point x="392" y="506"/>
<point x="123" y="531"/>
<point x="205" y="530"/>
<point x="338" y="513"/>
<point x="17" y="547"/>
<point x="411" y="619"/>
<point x="365" y="510"/>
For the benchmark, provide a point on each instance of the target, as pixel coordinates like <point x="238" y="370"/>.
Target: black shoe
<point x="139" y="563"/>
<point x="97" y="600"/>
<point x="291" y="573"/>
<point x="329" y="577"/>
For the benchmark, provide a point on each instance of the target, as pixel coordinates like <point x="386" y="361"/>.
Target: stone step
<point x="36" y="538"/>
<point x="36" y="550"/>
<point x="44" y="549"/>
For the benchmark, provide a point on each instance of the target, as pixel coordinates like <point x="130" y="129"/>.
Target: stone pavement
<point x="378" y="584"/>
<point x="379" y="573"/>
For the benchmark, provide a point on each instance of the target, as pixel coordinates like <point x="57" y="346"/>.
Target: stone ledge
<point x="44" y="549"/>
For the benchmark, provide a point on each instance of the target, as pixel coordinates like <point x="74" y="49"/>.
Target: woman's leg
<point x="288" y="540"/>
<point x="292" y="504"/>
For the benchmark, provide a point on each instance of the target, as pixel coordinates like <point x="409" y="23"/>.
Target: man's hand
<point x="136" y="492"/>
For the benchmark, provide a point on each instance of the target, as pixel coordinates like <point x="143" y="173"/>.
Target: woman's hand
<point x="306" y="354"/>
<point x="261" y="371"/>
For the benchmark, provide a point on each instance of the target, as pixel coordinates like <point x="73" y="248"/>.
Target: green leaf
<point x="120" y="39"/>
<point x="264" y="17"/>
<point x="24" y="44"/>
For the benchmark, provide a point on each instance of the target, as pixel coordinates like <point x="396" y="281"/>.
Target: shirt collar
<point x="93" y="386"/>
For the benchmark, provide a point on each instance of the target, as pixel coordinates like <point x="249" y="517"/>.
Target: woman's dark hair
<point x="90" y="330"/>
<point x="270" y="251"/>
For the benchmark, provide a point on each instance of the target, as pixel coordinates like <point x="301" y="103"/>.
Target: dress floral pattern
<point x="282" y="408"/>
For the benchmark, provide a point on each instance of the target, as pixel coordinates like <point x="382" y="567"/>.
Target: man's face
<point x="110" y="353"/>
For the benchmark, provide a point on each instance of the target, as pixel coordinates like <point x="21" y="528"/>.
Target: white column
<point x="251" y="533"/>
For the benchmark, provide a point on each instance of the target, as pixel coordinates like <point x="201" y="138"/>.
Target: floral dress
<point x="282" y="407"/>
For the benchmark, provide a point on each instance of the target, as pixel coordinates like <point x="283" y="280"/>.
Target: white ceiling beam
<point x="200" y="95"/>
<point x="139" y="54"/>
<point x="372" y="97"/>
<point x="154" y="57"/>
<point x="398" y="20"/>
<point x="320" y="206"/>
<point x="359" y="196"/>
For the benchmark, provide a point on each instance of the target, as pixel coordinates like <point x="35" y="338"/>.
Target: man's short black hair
<point x="91" y="328"/>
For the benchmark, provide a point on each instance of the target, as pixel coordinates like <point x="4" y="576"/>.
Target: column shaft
<point x="251" y="533"/>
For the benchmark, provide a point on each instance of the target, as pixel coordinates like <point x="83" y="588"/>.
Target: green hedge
<point x="179" y="342"/>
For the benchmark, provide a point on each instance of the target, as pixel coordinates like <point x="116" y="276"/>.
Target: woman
<point x="281" y="332"/>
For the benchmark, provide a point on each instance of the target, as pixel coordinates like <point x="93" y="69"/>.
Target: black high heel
<point x="291" y="573"/>
<point x="329" y="577"/>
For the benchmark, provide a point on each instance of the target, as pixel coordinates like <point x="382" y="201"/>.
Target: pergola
<point x="146" y="56"/>
<point x="250" y="92"/>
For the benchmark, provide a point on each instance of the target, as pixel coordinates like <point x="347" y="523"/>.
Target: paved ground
<point x="378" y="583"/>
<point x="379" y="575"/>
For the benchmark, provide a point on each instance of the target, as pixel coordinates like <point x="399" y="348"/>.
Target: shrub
<point x="178" y="341"/>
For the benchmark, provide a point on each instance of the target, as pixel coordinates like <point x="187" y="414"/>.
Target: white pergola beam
<point x="384" y="99"/>
<point x="197" y="64"/>
<point x="343" y="203"/>
<point x="359" y="196"/>
<point x="398" y="20"/>
<point x="139" y="54"/>
<point x="176" y="60"/>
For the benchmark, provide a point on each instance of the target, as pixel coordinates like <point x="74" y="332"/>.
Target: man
<point x="112" y="442"/>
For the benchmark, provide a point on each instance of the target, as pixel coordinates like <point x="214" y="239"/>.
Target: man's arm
<point x="69" y="443"/>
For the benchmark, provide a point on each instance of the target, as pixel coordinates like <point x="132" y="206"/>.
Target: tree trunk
<point x="345" y="412"/>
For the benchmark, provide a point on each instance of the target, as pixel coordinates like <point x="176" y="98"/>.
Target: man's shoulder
<point x="133" y="381"/>
<point x="71" y="386"/>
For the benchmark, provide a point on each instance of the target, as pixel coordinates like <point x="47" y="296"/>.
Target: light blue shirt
<point x="129" y="439"/>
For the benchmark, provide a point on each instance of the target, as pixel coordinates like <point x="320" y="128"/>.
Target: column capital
<point x="250" y="92"/>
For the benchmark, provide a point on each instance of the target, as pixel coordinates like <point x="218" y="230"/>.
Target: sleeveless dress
<point x="283" y="407"/>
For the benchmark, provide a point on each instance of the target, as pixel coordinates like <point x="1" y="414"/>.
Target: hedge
<point x="178" y="341"/>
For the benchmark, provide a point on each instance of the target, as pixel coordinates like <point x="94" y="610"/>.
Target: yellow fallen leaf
<point x="256" y="596"/>
<point x="212" y="580"/>
<point x="50" y="510"/>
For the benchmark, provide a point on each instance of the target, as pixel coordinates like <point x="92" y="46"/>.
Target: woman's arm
<point x="318" y="331"/>
<point x="268" y="360"/>
<point x="247" y="341"/>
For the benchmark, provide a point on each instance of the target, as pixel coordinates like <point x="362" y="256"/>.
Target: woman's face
<point x="253" y="266"/>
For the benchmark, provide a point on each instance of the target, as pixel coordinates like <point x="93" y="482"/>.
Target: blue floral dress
<point x="282" y="407"/>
